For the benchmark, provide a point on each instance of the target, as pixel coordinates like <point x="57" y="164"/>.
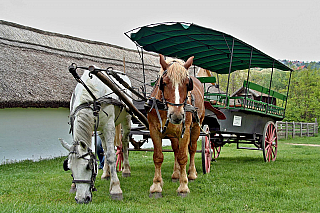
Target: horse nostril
<point x="88" y="199"/>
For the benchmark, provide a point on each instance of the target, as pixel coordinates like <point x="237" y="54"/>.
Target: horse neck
<point x="156" y="92"/>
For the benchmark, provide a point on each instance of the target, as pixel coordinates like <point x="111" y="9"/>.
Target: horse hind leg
<point x="106" y="168"/>
<point x="126" y="126"/>
<point x="192" y="172"/>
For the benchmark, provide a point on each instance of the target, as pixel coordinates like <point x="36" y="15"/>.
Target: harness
<point x="153" y="103"/>
<point x="92" y="164"/>
<point x="95" y="106"/>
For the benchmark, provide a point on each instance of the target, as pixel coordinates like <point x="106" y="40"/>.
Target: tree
<point x="303" y="104"/>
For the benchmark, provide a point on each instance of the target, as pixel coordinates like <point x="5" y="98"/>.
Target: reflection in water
<point x="32" y="133"/>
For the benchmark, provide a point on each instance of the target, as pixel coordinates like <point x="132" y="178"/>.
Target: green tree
<point x="303" y="103"/>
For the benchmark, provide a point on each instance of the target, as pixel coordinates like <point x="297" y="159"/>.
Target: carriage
<point x="245" y="116"/>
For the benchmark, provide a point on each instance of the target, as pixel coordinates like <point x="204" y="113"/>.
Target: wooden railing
<point x="293" y="129"/>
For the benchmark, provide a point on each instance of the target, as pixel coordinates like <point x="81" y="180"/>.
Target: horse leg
<point x="176" y="168"/>
<point x="156" y="187"/>
<point x="126" y="126"/>
<point x="195" y="131"/>
<point x="182" y="158"/>
<point x="106" y="168"/>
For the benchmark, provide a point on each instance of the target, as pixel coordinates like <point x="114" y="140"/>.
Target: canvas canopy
<point x="211" y="49"/>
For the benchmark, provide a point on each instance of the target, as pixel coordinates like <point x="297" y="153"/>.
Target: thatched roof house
<point x="34" y="65"/>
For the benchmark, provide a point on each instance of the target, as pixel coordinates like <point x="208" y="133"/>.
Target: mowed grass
<point x="239" y="181"/>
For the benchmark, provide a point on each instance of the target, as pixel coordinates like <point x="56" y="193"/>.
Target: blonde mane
<point x="176" y="71"/>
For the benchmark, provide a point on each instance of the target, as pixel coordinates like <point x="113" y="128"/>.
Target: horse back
<point x="198" y="95"/>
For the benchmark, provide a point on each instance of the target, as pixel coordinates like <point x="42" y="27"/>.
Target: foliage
<point x="239" y="181"/>
<point x="304" y="98"/>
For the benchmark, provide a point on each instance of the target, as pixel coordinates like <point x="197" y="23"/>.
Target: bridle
<point x="163" y="104"/>
<point x="92" y="164"/>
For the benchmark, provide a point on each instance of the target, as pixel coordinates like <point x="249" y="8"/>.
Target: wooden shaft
<point x="124" y="98"/>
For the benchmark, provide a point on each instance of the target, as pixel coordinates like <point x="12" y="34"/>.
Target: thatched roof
<point x="33" y="65"/>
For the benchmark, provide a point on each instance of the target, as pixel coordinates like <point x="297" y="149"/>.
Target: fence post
<point x="286" y="134"/>
<point x="300" y="129"/>
<point x="307" y="129"/>
<point x="315" y="126"/>
<point x="293" y="129"/>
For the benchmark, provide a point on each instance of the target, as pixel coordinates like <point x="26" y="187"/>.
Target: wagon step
<point x="249" y="148"/>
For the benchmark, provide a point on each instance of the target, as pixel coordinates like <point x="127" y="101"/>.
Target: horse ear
<point x="189" y="62"/>
<point x="65" y="144"/>
<point x="163" y="62"/>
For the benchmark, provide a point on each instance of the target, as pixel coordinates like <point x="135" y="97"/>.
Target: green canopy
<point x="211" y="49"/>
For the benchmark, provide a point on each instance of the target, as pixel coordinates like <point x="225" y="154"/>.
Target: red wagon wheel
<point x="119" y="155"/>
<point x="206" y="151"/>
<point x="270" y="142"/>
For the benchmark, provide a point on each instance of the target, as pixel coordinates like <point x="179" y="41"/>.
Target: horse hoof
<point x="105" y="178"/>
<point x="155" y="195"/>
<point x="126" y="174"/>
<point x="183" y="194"/>
<point x="191" y="180"/>
<point x="175" y="180"/>
<point x="116" y="196"/>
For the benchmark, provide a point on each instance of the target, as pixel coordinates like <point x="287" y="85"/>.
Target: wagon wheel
<point x="269" y="142"/>
<point x="206" y="151"/>
<point x="119" y="155"/>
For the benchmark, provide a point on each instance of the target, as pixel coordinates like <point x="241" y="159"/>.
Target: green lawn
<point x="239" y="181"/>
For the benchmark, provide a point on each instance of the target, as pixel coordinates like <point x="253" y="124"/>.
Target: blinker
<point x="65" y="165"/>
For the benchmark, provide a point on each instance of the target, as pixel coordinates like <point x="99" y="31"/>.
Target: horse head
<point x="175" y="84"/>
<point x="82" y="163"/>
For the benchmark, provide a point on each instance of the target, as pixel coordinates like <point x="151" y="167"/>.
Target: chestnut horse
<point x="177" y="92"/>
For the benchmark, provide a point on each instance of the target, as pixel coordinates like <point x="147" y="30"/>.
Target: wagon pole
<point x="115" y="89"/>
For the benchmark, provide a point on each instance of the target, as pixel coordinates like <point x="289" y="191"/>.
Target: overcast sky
<point x="283" y="29"/>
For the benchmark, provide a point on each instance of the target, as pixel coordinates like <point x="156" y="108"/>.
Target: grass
<point x="239" y="181"/>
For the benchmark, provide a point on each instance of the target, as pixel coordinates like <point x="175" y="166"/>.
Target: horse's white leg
<point x="126" y="126"/>
<point x="109" y="134"/>
<point x="106" y="168"/>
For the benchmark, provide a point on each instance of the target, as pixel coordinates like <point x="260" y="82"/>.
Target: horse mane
<point x="176" y="71"/>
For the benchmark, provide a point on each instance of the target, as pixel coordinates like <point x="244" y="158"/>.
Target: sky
<point x="283" y="29"/>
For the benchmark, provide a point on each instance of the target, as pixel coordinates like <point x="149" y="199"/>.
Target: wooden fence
<point x="293" y="129"/>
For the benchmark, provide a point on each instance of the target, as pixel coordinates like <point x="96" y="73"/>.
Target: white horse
<point x="80" y="156"/>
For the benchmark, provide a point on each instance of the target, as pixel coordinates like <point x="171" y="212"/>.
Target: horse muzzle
<point x="85" y="200"/>
<point x="176" y="118"/>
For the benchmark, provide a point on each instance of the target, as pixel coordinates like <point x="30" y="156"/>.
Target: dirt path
<point x="301" y="144"/>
